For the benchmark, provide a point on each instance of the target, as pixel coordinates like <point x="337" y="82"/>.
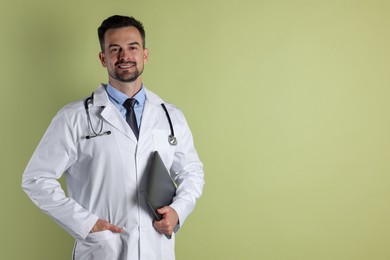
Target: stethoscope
<point x="172" y="140"/>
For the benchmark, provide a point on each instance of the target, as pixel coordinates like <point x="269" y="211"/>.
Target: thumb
<point x="115" y="229"/>
<point x="163" y="210"/>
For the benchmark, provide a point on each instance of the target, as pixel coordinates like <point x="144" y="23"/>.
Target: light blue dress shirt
<point x="118" y="98"/>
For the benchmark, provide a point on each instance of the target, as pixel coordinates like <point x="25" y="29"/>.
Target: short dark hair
<point x="119" y="21"/>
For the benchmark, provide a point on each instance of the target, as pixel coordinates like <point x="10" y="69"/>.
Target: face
<point x="123" y="54"/>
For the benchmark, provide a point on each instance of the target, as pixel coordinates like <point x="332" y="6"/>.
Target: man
<point x="103" y="145"/>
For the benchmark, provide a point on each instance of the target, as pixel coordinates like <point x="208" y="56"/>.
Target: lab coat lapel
<point x="111" y="114"/>
<point x="114" y="118"/>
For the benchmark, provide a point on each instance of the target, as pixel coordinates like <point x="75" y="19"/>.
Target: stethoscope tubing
<point x="172" y="140"/>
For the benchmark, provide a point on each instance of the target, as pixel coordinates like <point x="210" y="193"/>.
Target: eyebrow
<point x="134" y="43"/>
<point x="129" y="44"/>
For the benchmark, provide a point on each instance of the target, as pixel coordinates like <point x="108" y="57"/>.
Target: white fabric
<point x="106" y="177"/>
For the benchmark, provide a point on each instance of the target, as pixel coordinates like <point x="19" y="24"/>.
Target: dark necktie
<point x="130" y="115"/>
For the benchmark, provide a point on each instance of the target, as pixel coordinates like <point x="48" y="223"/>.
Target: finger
<point x="160" y="223"/>
<point x="157" y="226"/>
<point x="102" y="225"/>
<point x="164" y="231"/>
<point x="163" y="227"/>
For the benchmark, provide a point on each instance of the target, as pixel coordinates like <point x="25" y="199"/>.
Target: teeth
<point x="125" y="66"/>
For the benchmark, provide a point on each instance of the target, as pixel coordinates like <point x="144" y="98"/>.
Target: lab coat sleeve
<point x="187" y="171"/>
<point x="55" y="153"/>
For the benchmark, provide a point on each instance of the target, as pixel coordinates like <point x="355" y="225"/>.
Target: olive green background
<point x="288" y="102"/>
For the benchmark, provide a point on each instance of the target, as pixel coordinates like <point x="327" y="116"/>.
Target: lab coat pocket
<point x="103" y="245"/>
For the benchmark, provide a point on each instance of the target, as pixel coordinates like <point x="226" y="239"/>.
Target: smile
<point x="125" y="65"/>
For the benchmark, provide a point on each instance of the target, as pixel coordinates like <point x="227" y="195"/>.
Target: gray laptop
<point x="161" y="187"/>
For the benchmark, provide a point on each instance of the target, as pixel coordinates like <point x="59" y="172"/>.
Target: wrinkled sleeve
<point x="187" y="170"/>
<point x="56" y="152"/>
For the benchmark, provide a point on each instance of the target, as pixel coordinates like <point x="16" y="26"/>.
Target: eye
<point x="115" y="49"/>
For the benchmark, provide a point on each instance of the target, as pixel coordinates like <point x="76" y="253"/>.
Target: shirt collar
<point x="120" y="97"/>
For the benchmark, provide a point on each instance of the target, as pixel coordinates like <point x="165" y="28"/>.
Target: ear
<point x="146" y="55"/>
<point x="102" y="59"/>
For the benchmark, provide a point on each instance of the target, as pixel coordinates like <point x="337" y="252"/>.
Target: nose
<point x="124" y="54"/>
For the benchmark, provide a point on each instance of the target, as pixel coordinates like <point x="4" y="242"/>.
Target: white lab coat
<point x="106" y="177"/>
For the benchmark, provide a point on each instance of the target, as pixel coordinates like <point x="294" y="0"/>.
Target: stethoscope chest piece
<point x="172" y="140"/>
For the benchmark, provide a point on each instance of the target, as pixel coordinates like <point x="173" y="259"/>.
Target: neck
<point x="127" y="88"/>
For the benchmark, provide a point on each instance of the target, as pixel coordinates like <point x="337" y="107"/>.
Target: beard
<point x="126" y="76"/>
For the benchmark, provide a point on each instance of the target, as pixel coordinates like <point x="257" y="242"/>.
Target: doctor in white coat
<point x="106" y="165"/>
